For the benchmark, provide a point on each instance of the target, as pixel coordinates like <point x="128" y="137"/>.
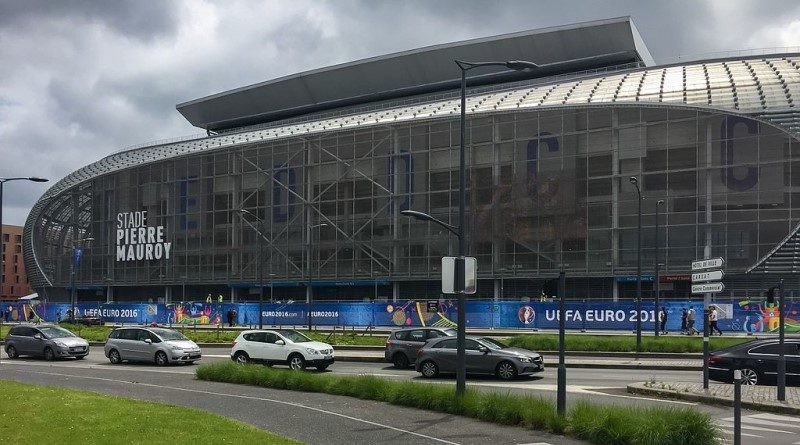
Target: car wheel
<point x="161" y="358"/>
<point x="506" y="371"/>
<point x="114" y="357"/>
<point x="11" y="352"/>
<point x="322" y="367"/>
<point x="749" y="376"/>
<point x="241" y="358"/>
<point x="297" y="362"/>
<point x="400" y="360"/>
<point x="429" y="369"/>
<point x="49" y="355"/>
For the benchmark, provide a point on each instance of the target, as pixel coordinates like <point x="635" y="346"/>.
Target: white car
<point x="283" y="346"/>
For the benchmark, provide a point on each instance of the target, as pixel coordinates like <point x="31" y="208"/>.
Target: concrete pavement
<point x="759" y="397"/>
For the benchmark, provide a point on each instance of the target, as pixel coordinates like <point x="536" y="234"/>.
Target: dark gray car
<point x="403" y="344"/>
<point x="48" y="341"/>
<point x="483" y="356"/>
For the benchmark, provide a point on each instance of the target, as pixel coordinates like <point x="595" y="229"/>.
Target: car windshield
<point x="492" y="343"/>
<point x="294" y="336"/>
<point x="168" y="334"/>
<point x="56" y="332"/>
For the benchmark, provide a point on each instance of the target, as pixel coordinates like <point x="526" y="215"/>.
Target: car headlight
<point x="312" y="351"/>
<point x="525" y="359"/>
<point x="60" y="343"/>
<point x="175" y="347"/>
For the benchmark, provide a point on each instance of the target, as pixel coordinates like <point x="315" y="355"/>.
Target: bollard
<point x="737" y="407"/>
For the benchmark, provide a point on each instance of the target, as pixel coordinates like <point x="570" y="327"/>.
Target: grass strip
<point x="622" y="343"/>
<point x="623" y="425"/>
<point x="40" y="414"/>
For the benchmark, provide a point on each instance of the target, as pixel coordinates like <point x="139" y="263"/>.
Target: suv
<point x="403" y="345"/>
<point x="159" y="345"/>
<point x="281" y="346"/>
<point x="48" y="341"/>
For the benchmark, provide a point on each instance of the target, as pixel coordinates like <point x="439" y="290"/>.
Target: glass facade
<point x="546" y="188"/>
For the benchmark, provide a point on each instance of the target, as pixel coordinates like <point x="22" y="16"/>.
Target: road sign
<point x="711" y="288"/>
<point x="713" y="263"/>
<point x="449" y="271"/>
<point x="433" y="306"/>
<point x="712" y="275"/>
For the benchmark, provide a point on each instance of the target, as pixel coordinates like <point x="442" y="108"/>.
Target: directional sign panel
<point x="713" y="263"/>
<point x="449" y="272"/>
<point x="713" y="275"/>
<point x="711" y="288"/>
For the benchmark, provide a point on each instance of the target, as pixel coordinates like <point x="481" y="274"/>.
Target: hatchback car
<point x="758" y="361"/>
<point x="151" y="344"/>
<point x="48" y="341"/>
<point x="483" y="356"/>
<point x="403" y="345"/>
<point x="284" y="346"/>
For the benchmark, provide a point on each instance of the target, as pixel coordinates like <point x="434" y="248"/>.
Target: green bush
<point x="598" y="424"/>
<point x="621" y="343"/>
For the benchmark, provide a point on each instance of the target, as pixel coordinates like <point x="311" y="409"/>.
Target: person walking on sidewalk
<point x="713" y="317"/>
<point x="684" y="312"/>
<point x="690" y="317"/>
<point x="662" y="317"/>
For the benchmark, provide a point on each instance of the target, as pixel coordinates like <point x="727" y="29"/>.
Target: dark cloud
<point x="81" y="79"/>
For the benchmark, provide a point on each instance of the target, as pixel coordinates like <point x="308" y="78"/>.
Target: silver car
<point x="158" y="345"/>
<point x="483" y="356"/>
<point x="48" y="341"/>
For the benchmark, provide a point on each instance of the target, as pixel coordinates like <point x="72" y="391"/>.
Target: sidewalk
<point x="760" y="397"/>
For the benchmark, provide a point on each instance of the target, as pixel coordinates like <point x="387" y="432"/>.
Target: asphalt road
<point x="324" y="419"/>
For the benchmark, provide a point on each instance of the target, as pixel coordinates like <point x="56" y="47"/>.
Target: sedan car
<point x="403" y="345"/>
<point x="48" y="341"/>
<point x="151" y="344"/>
<point x="283" y="346"/>
<point x="758" y="361"/>
<point x="483" y="356"/>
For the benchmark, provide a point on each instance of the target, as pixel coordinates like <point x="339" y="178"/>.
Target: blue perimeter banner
<point x="742" y="316"/>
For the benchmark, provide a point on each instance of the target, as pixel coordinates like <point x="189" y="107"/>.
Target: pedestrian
<point x="8" y="313"/>
<point x="662" y="317"/>
<point x="230" y="317"/>
<point x="690" y="317"/>
<point x="235" y="314"/>
<point x="684" y="314"/>
<point x="713" y="317"/>
<point x="58" y="316"/>
<point x="31" y="315"/>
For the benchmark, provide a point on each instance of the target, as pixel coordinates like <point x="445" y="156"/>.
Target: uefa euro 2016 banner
<point x="742" y="316"/>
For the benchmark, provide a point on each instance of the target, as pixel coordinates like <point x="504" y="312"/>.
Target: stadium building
<point x="323" y="162"/>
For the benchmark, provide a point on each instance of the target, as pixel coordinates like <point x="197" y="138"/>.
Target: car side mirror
<point x="38" y="336"/>
<point x="148" y="341"/>
<point x="484" y="349"/>
<point x="280" y="342"/>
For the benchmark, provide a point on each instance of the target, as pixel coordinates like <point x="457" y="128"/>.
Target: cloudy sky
<point x="81" y="79"/>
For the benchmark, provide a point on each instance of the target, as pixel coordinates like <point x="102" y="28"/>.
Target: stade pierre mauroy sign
<point x="136" y="241"/>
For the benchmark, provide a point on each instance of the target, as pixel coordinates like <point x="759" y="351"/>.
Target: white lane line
<point x="776" y="417"/>
<point x="762" y="422"/>
<point x="754" y="428"/>
<point x="263" y="399"/>
<point x="102" y="367"/>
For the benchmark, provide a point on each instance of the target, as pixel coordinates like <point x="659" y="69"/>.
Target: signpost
<point x="708" y="284"/>
<point x="449" y="274"/>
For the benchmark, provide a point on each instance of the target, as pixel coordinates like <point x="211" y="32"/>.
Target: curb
<point x="774" y="407"/>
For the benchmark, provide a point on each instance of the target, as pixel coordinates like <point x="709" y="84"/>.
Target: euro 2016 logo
<point x="526" y="314"/>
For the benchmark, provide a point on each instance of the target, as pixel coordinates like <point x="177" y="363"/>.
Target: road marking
<point x="776" y="417"/>
<point x="263" y="399"/>
<point x="750" y="419"/>
<point x="101" y="367"/>
<point x="754" y="428"/>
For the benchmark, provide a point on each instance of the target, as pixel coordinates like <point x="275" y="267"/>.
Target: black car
<point x="758" y="361"/>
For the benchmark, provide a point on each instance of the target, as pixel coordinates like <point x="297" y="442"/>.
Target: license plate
<point x="327" y="357"/>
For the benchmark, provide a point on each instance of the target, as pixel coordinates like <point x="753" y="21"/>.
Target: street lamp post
<point x="260" y="234"/>
<point x="458" y="288"/>
<point x="2" y="182"/>
<point x="657" y="282"/>
<point x="635" y="183"/>
<point x="309" y="289"/>
<point x="76" y="261"/>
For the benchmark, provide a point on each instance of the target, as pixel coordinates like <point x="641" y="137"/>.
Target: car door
<point x="22" y="337"/>
<point x="278" y="352"/>
<point x="415" y="339"/>
<point x="476" y="360"/>
<point x="445" y="354"/>
<point x="764" y="359"/>
<point x="793" y="362"/>
<point x="273" y="352"/>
